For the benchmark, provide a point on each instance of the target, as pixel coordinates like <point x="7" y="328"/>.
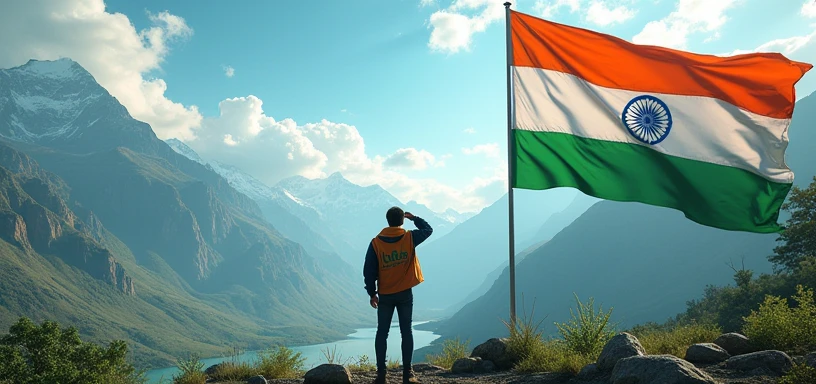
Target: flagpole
<point x="511" y="222"/>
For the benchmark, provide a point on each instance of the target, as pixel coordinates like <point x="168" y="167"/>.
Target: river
<point x="358" y="343"/>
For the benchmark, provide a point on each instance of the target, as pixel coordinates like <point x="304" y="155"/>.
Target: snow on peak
<point x="61" y="69"/>
<point x="184" y="150"/>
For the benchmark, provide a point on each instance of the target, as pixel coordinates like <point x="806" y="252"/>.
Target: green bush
<point x="362" y="364"/>
<point x="675" y="340"/>
<point x="799" y="374"/>
<point x="50" y="354"/>
<point x="587" y="332"/>
<point x="553" y="356"/>
<point x="190" y="371"/>
<point x="234" y="371"/>
<point x="280" y="363"/>
<point x="776" y="325"/>
<point x="452" y="350"/>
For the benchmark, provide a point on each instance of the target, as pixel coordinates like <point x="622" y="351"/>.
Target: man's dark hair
<point x="395" y="216"/>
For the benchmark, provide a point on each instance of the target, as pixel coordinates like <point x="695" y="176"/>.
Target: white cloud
<point x="229" y="71"/>
<point x="690" y="16"/>
<point x="548" y="8"/>
<point x="426" y="3"/>
<point x="600" y="13"/>
<point x="469" y="131"/>
<point x="270" y="150"/>
<point x="410" y="158"/>
<point x="109" y="47"/>
<point x="809" y="8"/>
<point x="453" y="28"/>
<point x="489" y="150"/>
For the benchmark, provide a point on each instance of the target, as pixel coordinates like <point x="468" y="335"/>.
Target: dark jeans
<point x="403" y="302"/>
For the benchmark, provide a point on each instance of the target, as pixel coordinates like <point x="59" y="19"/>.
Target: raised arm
<point x="423" y="230"/>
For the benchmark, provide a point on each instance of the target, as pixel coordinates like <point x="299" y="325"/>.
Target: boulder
<point x="621" y="346"/>
<point x="734" y="343"/>
<point x="464" y="365"/>
<point x="328" y="374"/>
<point x="663" y="369"/>
<point x="810" y="359"/>
<point x="484" y="366"/>
<point x="211" y="370"/>
<point x="775" y="361"/>
<point x="706" y="353"/>
<point x="257" y="380"/>
<point x="495" y="350"/>
<point x="588" y="371"/>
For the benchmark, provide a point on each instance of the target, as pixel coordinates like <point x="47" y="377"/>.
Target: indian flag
<point x="702" y="134"/>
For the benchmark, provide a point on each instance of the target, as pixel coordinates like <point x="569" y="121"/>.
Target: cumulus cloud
<point x="410" y="158"/>
<point x="489" y="150"/>
<point x="690" y="16"/>
<point x="109" y="47"/>
<point x="229" y="71"/>
<point x="469" y="131"/>
<point x="453" y="28"/>
<point x="548" y="8"/>
<point x="244" y="136"/>
<point x="809" y="8"/>
<point x="601" y="13"/>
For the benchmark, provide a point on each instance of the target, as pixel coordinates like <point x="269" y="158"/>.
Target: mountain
<point x="458" y="262"/>
<point x="109" y="229"/>
<point x="644" y="261"/>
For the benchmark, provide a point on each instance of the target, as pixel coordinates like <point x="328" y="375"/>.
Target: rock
<point x="798" y="360"/>
<point x="425" y="367"/>
<point x="211" y="370"/>
<point x="663" y="369"/>
<point x="620" y="346"/>
<point x="734" y="343"/>
<point x="706" y="353"/>
<point x="775" y="361"/>
<point x="484" y="366"/>
<point x="588" y="371"/>
<point x="810" y="359"/>
<point x="257" y="380"/>
<point x="495" y="350"/>
<point x="328" y="374"/>
<point x="465" y="364"/>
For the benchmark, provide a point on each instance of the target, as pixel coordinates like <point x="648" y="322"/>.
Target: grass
<point x="274" y="363"/>
<point x="452" y="350"/>
<point x="779" y="326"/>
<point x="674" y="340"/>
<point x="190" y="371"/>
<point x="799" y="374"/>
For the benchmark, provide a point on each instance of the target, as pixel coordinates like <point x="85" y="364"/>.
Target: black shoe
<point x="408" y="377"/>
<point x="380" y="378"/>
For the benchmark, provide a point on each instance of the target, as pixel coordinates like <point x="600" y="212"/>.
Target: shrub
<point x="50" y="354"/>
<point x="525" y="337"/>
<point x="799" y="374"/>
<point x="553" y="356"/>
<point x="280" y="363"/>
<point x="452" y="350"/>
<point x="362" y="364"/>
<point x="587" y="332"/>
<point x="778" y="326"/>
<point x="190" y="371"/>
<point x="675" y="340"/>
<point x="234" y="371"/>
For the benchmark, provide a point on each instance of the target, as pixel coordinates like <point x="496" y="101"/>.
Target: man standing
<point x="391" y="261"/>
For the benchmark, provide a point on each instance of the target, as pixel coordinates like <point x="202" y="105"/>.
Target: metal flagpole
<point x="510" y="171"/>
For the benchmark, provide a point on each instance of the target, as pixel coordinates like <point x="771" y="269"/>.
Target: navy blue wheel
<point x="647" y="119"/>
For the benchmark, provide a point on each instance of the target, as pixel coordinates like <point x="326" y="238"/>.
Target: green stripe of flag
<point x="709" y="194"/>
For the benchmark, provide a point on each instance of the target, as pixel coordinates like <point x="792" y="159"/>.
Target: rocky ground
<point x="730" y="359"/>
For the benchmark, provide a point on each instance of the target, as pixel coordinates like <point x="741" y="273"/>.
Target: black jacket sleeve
<point x="371" y="270"/>
<point x="422" y="232"/>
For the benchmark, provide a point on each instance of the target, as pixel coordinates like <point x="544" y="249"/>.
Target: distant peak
<point x="59" y="68"/>
<point x="336" y="176"/>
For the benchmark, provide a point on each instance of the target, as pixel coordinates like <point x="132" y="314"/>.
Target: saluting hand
<point x="409" y="216"/>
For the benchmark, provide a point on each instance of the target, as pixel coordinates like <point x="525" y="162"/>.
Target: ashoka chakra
<point x="647" y="118"/>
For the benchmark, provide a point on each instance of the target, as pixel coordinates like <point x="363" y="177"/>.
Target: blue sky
<point x="409" y="94"/>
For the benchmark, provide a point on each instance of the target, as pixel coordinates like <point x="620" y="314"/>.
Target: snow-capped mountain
<point x="345" y="214"/>
<point x="59" y="104"/>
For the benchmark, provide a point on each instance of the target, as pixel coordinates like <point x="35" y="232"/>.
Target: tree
<point x="799" y="236"/>
<point x="49" y="354"/>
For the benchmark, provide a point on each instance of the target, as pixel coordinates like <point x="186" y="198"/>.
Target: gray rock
<point x="257" y="380"/>
<point x="425" y="367"/>
<point x="465" y="364"/>
<point x="495" y="350"/>
<point x="663" y="369"/>
<point x="734" y="343"/>
<point x="706" y="353"/>
<point x="775" y="361"/>
<point x="799" y="360"/>
<point x="211" y="370"/>
<point x="588" y="371"/>
<point x="484" y="366"/>
<point x="810" y="359"/>
<point x="621" y="346"/>
<point x="328" y="374"/>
